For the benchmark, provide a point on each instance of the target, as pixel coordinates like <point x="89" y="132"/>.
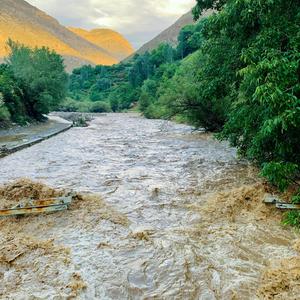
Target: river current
<point x="159" y="175"/>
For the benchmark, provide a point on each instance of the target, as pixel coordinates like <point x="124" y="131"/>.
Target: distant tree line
<point x="119" y="87"/>
<point x="32" y="83"/>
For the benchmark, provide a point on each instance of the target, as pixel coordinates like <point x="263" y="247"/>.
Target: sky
<point x="138" y="20"/>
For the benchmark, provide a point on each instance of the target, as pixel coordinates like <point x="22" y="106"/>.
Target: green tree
<point x="11" y="97"/>
<point x="265" y="120"/>
<point x="260" y="78"/>
<point x="164" y="53"/>
<point x="100" y="107"/>
<point x="40" y="74"/>
<point x="123" y="96"/>
<point x="4" y="113"/>
<point x="148" y="94"/>
<point x="142" y="69"/>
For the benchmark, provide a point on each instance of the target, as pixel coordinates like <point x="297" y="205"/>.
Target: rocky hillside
<point x="25" y="23"/>
<point x="170" y="35"/>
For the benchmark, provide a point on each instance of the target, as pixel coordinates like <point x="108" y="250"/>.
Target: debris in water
<point x="155" y="193"/>
<point x="39" y="263"/>
<point x="12" y="193"/>
<point x="270" y="199"/>
<point x="143" y="236"/>
<point x="245" y="201"/>
<point x="296" y="246"/>
<point x="104" y="245"/>
<point x="76" y="285"/>
<point x="30" y="207"/>
<point x="35" y="256"/>
<point x="93" y="203"/>
<point x="281" y="280"/>
<point x="287" y="206"/>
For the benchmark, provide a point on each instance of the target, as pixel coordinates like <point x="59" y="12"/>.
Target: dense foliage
<point x="99" y="86"/>
<point x="264" y="121"/>
<point x="32" y="83"/>
<point x="118" y="86"/>
<point x="261" y="81"/>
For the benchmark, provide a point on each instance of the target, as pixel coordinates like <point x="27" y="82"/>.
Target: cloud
<point x="138" y="20"/>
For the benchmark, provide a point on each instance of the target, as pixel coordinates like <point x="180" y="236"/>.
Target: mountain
<point x="107" y="39"/>
<point x="170" y="35"/>
<point x="28" y="25"/>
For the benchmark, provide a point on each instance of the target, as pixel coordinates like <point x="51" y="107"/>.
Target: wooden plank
<point x="44" y="202"/>
<point x="270" y="199"/>
<point x="281" y="205"/>
<point x="32" y="210"/>
<point x="38" y="206"/>
<point x="51" y="201"/>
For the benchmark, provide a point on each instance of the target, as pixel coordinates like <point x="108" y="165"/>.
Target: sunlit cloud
<point x="138" y="20"/>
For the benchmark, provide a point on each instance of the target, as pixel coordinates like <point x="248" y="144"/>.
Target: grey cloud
<point x="138" y="20"/>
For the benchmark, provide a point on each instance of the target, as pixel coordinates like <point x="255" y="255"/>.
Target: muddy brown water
<point x="159" y="175"/>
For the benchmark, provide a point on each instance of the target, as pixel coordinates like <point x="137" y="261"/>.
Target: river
<point x="189" y="234"/>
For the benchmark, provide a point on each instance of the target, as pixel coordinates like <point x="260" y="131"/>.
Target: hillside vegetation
<point x="235" y="72"/>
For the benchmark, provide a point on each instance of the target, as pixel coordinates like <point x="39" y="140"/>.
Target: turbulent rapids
<point x="161" y="212"/>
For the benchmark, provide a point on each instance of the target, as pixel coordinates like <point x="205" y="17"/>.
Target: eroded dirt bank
<point x="177" y="217"/>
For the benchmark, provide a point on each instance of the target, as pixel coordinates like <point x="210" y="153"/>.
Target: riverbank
<point x="17" y="138"/>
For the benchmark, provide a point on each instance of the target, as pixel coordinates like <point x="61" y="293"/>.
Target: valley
<point x="167" y="172"/>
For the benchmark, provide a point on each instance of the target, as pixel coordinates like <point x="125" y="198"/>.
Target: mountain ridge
<point x="107" y="39"/>
<point x="30" y="26"/>
<point x="170" y="34"/>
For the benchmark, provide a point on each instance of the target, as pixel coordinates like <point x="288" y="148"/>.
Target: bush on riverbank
<point x="32" y="83"/>
<point x="71" y="105"/>
<point x="4" y="113"/>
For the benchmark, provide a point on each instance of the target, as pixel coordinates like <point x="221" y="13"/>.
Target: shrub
<point x="71" y="105"/>
<point x="100" y="107"/>
<point x="4" y="113"/>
